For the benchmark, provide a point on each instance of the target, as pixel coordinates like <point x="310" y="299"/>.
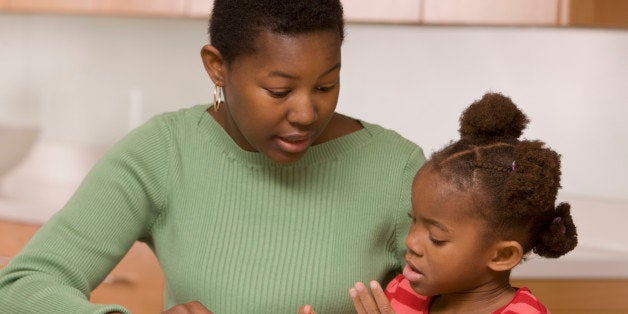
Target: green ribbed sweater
<point x="230" y="228"/>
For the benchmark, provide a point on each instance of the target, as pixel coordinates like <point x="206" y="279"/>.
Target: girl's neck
<point x="483" y="300"/>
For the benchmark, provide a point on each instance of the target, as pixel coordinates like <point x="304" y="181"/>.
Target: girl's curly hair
<point x="515" y="182"/>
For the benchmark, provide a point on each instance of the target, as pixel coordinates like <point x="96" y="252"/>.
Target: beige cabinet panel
<point x="378" y="11"/>
<point x="491" y="12"/>
<point x="200" y="8"/>
<point x="50" y="6"/>
<point x="580" y="13"/>
<point x="170" y="8"/>
<point x="141" y="7"/>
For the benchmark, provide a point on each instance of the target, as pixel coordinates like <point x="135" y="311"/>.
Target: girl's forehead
<point x="436" y="198"/>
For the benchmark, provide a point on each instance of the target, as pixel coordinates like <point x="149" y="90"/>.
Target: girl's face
<point x="280" y="98"/>
<point x="446" y="251"/>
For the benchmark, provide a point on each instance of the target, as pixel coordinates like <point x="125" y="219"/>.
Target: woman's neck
<point x="485" y="299"/>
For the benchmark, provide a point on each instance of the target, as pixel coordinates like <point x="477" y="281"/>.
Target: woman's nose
<point x="303" y="111"/>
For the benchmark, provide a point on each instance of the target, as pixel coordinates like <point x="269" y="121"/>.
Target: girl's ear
<point x="214" y="64"/>
<point x="506" y="255"/>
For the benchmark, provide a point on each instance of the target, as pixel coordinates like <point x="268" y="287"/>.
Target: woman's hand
<point x="365" y="303"/>
<point x="306" y="309"/>
<point x="193" y="307"/>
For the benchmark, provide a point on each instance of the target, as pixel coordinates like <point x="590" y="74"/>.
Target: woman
<point x="262" y="202"/>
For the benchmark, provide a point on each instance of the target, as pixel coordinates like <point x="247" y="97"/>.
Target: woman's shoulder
<point x="186" y="115"/>
<point x="339" y="126"/>
<point x="342" y="125"/>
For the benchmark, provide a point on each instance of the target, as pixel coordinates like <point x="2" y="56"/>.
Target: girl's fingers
<point x="380" y="298"/>
<point x="359" y="308"/>
<point x="306" y="309"/>
<point x="370" y="306"/>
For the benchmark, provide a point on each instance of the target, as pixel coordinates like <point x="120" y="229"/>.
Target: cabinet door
<point x="50" y="6"/>
<point x="171" y="8"/>
<point x="200" y="8"/>
<point x="378" y="11"/>
<point x="595" y="13"/>
<point x="491" y="12"/>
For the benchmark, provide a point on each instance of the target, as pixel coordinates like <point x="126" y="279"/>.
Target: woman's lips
<point x="294" y="144"/>
<point x="411" y="273"/>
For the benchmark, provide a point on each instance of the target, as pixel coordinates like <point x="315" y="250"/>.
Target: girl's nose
<point x="413" y="242"/>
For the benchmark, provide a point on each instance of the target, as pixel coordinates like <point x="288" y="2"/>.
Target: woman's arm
<point x="74" y="251"/>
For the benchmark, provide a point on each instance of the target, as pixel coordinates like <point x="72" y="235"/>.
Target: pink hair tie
<point x="557" y="220"/>
<point x="513" y="166"/>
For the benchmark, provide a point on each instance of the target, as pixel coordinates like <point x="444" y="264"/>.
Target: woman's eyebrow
<point x="294" y="77"/>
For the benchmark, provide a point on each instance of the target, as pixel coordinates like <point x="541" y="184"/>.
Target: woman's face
<point x="280" y="98"/>
<point x="446" y="248"/>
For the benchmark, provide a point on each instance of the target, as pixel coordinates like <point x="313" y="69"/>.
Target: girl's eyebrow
<point x="432" y="222"/>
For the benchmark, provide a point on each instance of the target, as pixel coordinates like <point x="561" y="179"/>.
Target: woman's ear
<point x="214" y="64"/>
<point x="505" y="256"/>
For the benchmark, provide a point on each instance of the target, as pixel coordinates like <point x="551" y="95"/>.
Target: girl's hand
<point x="193" y="307"/>
<point x="306" y="309"/>
<point x="365" y="303"/>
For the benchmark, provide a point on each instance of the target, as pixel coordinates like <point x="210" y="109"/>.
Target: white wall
<point x="77" y="75"/>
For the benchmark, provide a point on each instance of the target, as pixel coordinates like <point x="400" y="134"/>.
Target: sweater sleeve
<point x="414" y="163"/>
<point x="74" y="251"/>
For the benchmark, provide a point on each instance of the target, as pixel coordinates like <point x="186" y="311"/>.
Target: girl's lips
<point x="411" y="274"/>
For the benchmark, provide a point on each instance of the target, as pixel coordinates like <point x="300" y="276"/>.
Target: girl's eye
<point x="411" y="217"/>
<point x="278" y="94"/>
<point x="437" y="242"/>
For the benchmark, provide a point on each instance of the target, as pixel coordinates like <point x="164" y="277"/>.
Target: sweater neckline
<point x="323" y="152"/>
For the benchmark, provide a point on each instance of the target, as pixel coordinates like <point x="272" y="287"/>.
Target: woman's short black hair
<point x="234" y="24"/>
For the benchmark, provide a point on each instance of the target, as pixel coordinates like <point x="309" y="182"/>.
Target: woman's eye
<point x="326" y="88"/>
<point x="277" y="94"/>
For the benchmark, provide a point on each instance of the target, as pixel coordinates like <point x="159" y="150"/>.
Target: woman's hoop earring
<point x="218" y="98"/>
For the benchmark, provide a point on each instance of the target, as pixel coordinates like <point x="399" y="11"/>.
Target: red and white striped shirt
<point x="404" y="300"/>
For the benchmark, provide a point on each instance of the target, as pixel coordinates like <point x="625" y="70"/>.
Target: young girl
<point x="479" y="206"/>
